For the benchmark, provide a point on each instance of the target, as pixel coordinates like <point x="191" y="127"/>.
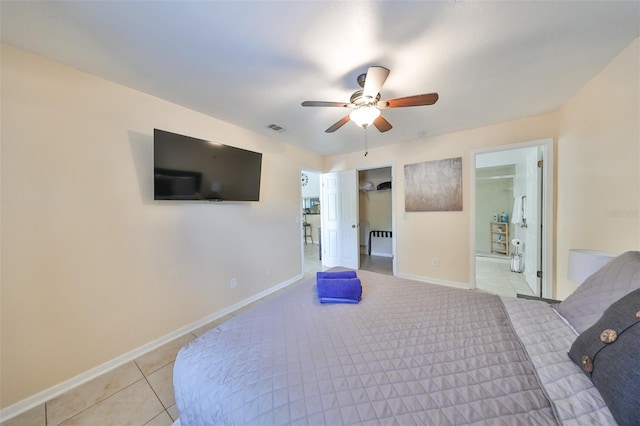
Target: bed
<point x="409" y="353"/>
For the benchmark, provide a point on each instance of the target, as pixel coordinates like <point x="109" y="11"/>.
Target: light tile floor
<point x="125" y="395"/>
<point x="312" y="262"/>
<point x="493" y="275"/>
<point x="379" y="264"/>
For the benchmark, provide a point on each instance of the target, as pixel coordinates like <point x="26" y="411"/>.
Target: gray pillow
<point x="608" y="352"/>
<point x="613" y="281"/>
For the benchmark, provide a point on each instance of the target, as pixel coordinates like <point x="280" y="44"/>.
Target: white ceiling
<point x="252" y="63"/>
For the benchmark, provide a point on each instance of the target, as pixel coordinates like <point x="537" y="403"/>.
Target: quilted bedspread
<point x="408" y="353"/>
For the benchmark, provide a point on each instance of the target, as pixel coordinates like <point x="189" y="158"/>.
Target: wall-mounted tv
<point x="187" y="168"/>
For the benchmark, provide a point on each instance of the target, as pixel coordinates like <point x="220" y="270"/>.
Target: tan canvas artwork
<point x="433" y="186"/>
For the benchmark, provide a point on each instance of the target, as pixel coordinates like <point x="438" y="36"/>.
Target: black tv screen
<point x="187" y="168"/>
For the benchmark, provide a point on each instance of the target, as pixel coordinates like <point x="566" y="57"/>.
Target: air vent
<point x="276" y="128"/>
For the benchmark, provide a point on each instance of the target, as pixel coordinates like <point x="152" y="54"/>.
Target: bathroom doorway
<point x="511" y="219"/>
<point x="494" y="201"/>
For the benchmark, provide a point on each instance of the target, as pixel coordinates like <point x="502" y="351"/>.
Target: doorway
<point x="375" y="202"/>
<point x="342" y="234"/>
<point x="512" y="205"/>
<point x="311" y="220"/>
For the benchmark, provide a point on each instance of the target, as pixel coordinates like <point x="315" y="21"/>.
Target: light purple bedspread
<point x="408" y="353"/>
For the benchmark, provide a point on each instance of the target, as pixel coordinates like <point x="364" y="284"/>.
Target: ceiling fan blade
<point x="327" y="104"/>
<point x="409" y="101"/>
<point x="376" y="76"/>
<point x="338" y="124"/>
<point x="382" y="124"/>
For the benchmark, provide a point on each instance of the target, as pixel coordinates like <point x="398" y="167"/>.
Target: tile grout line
<point x="159" y="400"/>
<point x="100" y="402"/>
<point x="147" y="380"/>
<point x="166" y="409"/>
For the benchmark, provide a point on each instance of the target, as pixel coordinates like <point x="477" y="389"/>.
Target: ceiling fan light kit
<point x="366" y="102"/>
<point x="364" y="115"/>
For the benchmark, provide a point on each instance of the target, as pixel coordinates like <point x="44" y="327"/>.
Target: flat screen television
<point x="187" y="168"/>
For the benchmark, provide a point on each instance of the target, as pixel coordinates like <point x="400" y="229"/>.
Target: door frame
<point x="394" y="240"/>
<point x="392" y="165"/>
<point x="548" y="207"/>
<point x="300" y="216"/>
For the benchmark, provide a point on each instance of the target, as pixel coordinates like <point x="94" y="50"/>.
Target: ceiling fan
<point x="366" y="103"/>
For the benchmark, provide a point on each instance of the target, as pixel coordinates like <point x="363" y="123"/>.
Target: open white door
<point x="339" y="204"/>
<point x="534" y="219"/>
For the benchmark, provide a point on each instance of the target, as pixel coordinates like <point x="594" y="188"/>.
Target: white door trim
<point x="394" y="192"/>
<point x="548" y="176"/>
<point x="300" y="216"/>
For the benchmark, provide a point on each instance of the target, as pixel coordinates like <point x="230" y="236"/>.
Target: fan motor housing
<point x="358" y="99"/>
<point x="361" y="78"/>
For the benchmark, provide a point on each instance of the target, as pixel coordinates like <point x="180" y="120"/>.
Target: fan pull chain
<point x="366" y="142"/>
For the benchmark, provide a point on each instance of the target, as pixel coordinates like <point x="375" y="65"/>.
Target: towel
<point x="339" y="290"/>
<point x="518" y="214"/>
<point x="338" y="300"/>
<point x="336" y="274"/>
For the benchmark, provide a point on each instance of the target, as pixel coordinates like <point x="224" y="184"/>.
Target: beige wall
<point x="597" y="182"/>
<point x="93" y="268"/>
<point x="375" y="206"/>
<point x="422" y="236"/>
<point x="599" y="165"/>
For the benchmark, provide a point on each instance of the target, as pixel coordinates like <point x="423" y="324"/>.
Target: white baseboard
<point x="464" y="286"/>
<point x="57" y="390"/>
<point x="381" y="254"/>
